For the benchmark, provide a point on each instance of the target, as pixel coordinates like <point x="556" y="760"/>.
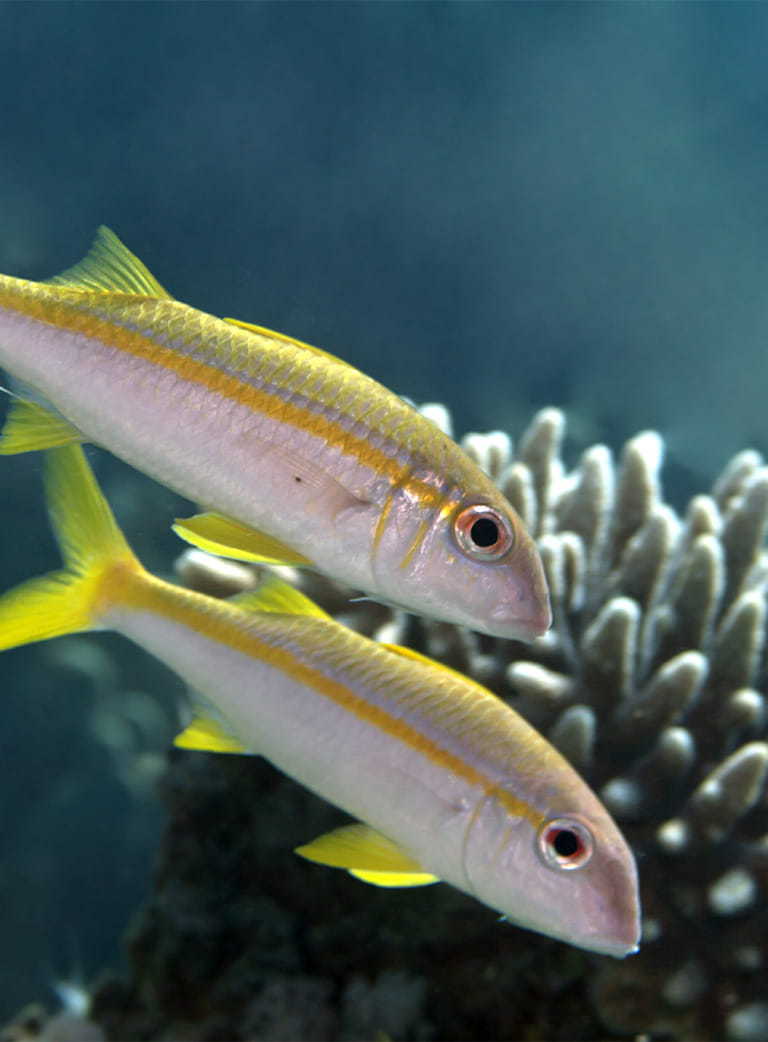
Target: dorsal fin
<point x="283" y="338"/>
<point x="110" y="267"/>
<point x="399" y="649"/>
<point x="280" y="597"/>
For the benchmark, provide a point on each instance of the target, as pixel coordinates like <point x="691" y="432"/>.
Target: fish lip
<point x="624" y="938"/>
<point x="620" y="942"/>
<point x="623" y="945"/>
<point x="509" y="621"/>
<point x="616" y="951"/>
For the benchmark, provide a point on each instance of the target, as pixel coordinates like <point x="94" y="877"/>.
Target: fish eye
<point x="482" y="532"/>
<point x="565" y="844"/>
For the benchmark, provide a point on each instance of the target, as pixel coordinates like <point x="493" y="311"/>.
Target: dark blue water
<point x="496" y="206"/>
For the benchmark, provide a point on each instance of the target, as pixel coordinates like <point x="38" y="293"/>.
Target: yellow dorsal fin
<point x="280" y="597"/>
<point x="110" y="266"/>
<point x="283" y="338"/>
<point x="208" y="736"/>
<point x="29" y="427"/>
<point x="404" y="652"/>
<point x="367" y="855"/>
<point x="226" y="538"/>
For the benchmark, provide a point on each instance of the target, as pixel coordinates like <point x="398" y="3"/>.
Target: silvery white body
<point x="370" y="505"/>
<point x="446" y="771"/>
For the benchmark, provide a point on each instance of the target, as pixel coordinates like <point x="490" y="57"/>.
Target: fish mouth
<point x="620" y="934"/>
<point x="515" y="622"/>
<point x="619" y="940"/>
<point x="619" y="949"/>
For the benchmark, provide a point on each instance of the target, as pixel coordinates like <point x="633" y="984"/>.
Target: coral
<point x="652" y="681"/>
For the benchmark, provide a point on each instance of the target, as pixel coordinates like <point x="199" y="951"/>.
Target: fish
<point x="294" y="456"/>
<point x="443" y="780"/>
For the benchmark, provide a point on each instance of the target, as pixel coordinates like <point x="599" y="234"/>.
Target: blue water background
<point x="497" y="206"/>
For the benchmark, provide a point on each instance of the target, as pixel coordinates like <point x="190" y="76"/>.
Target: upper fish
<point x="300" y="458"/>
<point x="447" y="781"/>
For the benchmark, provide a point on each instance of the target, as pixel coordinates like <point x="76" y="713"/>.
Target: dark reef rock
<point x="242" y="940"/>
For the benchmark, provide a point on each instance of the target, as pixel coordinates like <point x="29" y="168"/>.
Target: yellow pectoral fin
<point x="29" y="427"/>
<point x="393" y="879"/>
<point x="282" y="338"/>
<point x="367" y="855"/>
<point x="208" y="736"/>
<point x="226" y="538"/>
<point x="280" y="597"/>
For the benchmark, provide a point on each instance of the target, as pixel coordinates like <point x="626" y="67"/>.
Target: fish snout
<point x="523" y="611"/>
<point x="613" y="917"/>
<point x="526" y="617"/>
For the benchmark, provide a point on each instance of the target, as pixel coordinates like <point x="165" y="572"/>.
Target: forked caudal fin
<point x="94" y="551"/>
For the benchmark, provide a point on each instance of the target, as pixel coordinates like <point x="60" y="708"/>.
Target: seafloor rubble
<point x="652" y="681"/>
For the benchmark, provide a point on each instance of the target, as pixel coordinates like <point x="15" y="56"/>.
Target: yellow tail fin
<point x="93" y="547"/>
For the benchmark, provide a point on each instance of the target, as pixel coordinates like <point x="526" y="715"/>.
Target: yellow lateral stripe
<point x="215" y="381"/>
<point x="147" y="593"/>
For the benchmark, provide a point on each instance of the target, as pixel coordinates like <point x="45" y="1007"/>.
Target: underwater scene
<point x="383" y="579"/>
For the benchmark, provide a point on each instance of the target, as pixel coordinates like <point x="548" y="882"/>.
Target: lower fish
<point x="444" y="780"/>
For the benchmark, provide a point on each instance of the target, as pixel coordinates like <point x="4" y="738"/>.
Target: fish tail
<point x="97" y="560"/>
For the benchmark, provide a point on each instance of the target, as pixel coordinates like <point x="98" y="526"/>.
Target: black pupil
<point x="566" y="843"/>
<point x="484" y="532"/>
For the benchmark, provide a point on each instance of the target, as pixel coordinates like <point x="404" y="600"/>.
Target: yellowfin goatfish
<point x="448" y="780"/>
<point x="304" y="459"/>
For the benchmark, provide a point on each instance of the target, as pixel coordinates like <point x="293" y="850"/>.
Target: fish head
<point x="568" y="873"/>
<point x="466" y="560"/>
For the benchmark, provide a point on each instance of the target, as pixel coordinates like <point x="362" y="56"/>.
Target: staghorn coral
<point x="652" y="681"/>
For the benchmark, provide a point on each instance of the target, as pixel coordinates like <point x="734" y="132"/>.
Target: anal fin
<point x="278" y="597"/>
